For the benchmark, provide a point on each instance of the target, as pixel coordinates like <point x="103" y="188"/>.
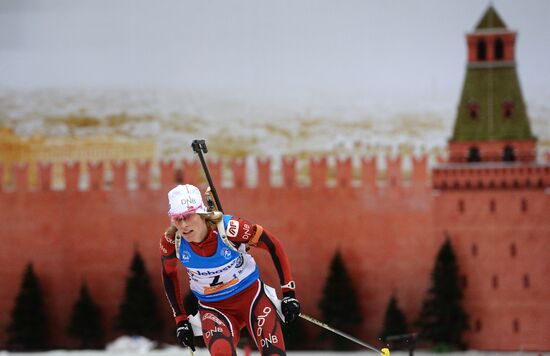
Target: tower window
<point x="464" y="281"/>
<point x="461" y="207"/>
<point x="508" y="109"/>
<point x="473" y="154"/>
<point x="526" y="281"/>
<point x="478" y="325"/>
<point x="524" y="205"/>
<point x="473" y="111"/>
<point x="513" y="250"/>
<point x="508" y="154"/>
<point x="494" y="282"/>
<point x="515" y="326"/>
<point x="481" y="50"/>
<point x="474" y="250"/>
<point x="499" y="49"/>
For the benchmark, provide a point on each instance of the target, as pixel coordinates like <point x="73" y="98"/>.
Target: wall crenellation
<point x="491" y="176"/>
<point x="318" y="172"/>
<point x="389" y="171"/>
<point x="96" y="174"/>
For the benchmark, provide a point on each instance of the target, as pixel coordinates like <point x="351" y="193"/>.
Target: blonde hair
<point x="171" y="232"/>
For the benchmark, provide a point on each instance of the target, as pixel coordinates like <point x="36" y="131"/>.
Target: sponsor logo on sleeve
<point x="232" y="229"/>
<point x="246" y="232"/>
<point x="170" y="241"/>
<point x="163" y="249"/>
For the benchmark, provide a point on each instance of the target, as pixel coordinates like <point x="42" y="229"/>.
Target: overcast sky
<point x="263" y="50"/>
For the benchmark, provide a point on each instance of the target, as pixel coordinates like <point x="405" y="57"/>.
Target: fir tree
<point x="442" y="319"/>
<point x="28" y="327"/>
<point x="137" y="313"/>
<point x="339" y="304"/>
<point x="85" y="323"/>
<point x="394" y="320"/>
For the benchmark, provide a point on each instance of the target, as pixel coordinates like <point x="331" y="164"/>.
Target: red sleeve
<point x="241" y="231"/>
<point x="269" y="242"/>
<point x="170" y="279"/>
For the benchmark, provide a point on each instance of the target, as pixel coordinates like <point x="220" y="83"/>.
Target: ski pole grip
<point x="199" y="146"/>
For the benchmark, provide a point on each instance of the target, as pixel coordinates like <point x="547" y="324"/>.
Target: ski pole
<point x="215" y="207"/>
<point x="199" y="146"/>
<point x="272" y="295"/>
<point x="384" y="352"/>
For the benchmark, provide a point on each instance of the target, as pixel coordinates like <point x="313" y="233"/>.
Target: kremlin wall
<point x="490" y="197"/>
<point x="388" y="230"/>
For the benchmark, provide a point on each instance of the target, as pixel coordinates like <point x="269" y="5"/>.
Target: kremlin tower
<point x="492" y="199"/>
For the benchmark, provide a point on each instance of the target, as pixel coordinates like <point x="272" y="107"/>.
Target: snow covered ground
<point x="176" y="351"/>
<point x="129" y="346"/>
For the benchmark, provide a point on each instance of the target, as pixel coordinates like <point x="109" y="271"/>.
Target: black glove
<point x="185" y="335"/>
<point x="290" y="306"/>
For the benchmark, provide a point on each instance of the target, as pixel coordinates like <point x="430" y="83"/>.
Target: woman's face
<point x="192" y="227"/>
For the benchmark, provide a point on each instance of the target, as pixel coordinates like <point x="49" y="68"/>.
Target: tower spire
<point x="491" y="108"/>
<point x="491" y="20"/>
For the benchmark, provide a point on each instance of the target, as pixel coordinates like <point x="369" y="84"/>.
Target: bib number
<point x="218" y="285"/>
<point x="216" y="281"/>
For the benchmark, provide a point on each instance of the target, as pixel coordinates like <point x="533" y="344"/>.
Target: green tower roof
<point x="489" y="90"/>
<point x="491" y="20"/>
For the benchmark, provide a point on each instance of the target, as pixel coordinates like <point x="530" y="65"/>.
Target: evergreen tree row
<point x="137" y="313"/>
<point x="441" y="322"/>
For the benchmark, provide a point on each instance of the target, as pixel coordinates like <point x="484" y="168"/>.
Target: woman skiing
<point x="223" y="276"/>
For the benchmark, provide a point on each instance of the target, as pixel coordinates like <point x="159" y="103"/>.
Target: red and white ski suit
<point x="223" y="318"/>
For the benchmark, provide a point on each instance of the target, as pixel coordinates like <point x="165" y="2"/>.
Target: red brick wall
<point x="388" y="231"/>
<point x="502" y="238"/>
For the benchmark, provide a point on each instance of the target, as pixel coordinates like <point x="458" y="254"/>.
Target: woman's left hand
<point x="290" y="306"/>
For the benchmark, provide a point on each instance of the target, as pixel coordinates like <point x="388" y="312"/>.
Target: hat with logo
<point x="185" y="199"/>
